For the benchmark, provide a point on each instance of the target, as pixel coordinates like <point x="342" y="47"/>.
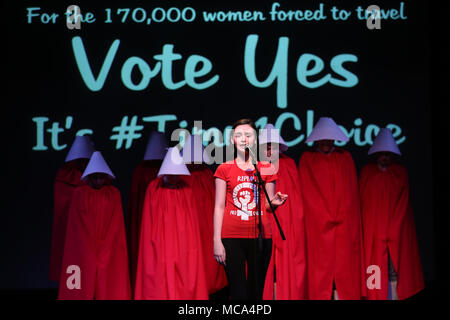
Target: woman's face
<point x="243" y="135"/>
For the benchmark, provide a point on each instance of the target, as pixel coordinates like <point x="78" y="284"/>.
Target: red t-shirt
<point x="240" y="219"/>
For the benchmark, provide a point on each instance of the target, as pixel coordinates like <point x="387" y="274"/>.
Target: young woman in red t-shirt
<point x="236" y="216"/>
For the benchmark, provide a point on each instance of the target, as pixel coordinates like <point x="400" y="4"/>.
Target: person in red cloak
<point x="329" y="186"/>
<point x="170" y="261"/>
<point x="145" y="172"/>
<point x="391" y="249"/>
<point x="95" y="260"/>
<point x="202" y="181"/>
<point x="288" y="264"/>
<point x="67" y="179"/>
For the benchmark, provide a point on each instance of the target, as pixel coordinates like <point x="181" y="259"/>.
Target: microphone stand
<point x="261" y="185"/>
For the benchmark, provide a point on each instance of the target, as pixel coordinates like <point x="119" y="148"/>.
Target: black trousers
<point x="239" y="253"/>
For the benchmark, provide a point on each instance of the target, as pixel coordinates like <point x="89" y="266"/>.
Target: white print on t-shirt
<point x="244" y="200"/>
<point x="245" y="178"/>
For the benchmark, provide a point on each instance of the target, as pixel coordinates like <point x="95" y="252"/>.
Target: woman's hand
<point x="279" y="199"/>
<point x="219" y="252"/>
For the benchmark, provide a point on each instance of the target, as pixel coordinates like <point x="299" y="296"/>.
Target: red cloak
<point x="330" y="192"/>
<point x="146" y="171"/>
<point x="67" y="179"/>
<point x="288" y="255"/>
<point x="388" y="225"/>
<point x="170" y="261"/>
<point x="203" y="185"/>
<point x="96" y="244"/>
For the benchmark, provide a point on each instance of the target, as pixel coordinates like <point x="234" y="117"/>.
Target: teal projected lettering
<point x="84" y="132"/>
<point x="40" y="146"/>
<point x="130" y="128"/>
<point x="44" y="18"/>
<point x="241" y="16"/>
<point x="196" y="66"/>
<point x="297" y="126"/>
<point x="167" y="57"/>
<point x="303" y="72"/>
<point x="161" y="120"/>
<point x="146" y="72"/>
<point x="336" y="63"/>
<point x="340" y="14"/>
<point x="158" y="15"/>
<point x="190" y="72"/>
<point x="55" y="132"/>
<point x="85" y="68"/>
<point x="279" y="70"/>
<point x="277" y="14"/>
<point x="126" y="132"/>
<point x="394" y="14"/>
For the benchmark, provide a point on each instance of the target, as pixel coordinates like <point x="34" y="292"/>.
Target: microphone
<point x="250" y="151"/>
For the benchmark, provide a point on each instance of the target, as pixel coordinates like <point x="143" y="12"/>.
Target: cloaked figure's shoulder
<point x="154" y="184"/>
<point x="368" y="170"/>
<point x="343" y="152"/>
<point x="70" y="172"/>
<point x="267" y="168"/>
<point x="287" y="161"/>
<point x="284" y="156"/>
<point x="369" y="166"/>
<point x="307" y="154"/>
<point x="264" y="163"/>
<point x="399" y="170"/>
<point x="399" y="167"/>
<point x="345" y="158"/>
<point x="83" y="188"/>
<point x="340" y="150"/>
<point x="308" y="151"/>
<point x="108" y="189"/>
<point x="112" y="188"/>
<point x="312" y="155"/>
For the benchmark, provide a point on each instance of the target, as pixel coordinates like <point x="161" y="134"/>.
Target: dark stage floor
<point x="430" y="292"/>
